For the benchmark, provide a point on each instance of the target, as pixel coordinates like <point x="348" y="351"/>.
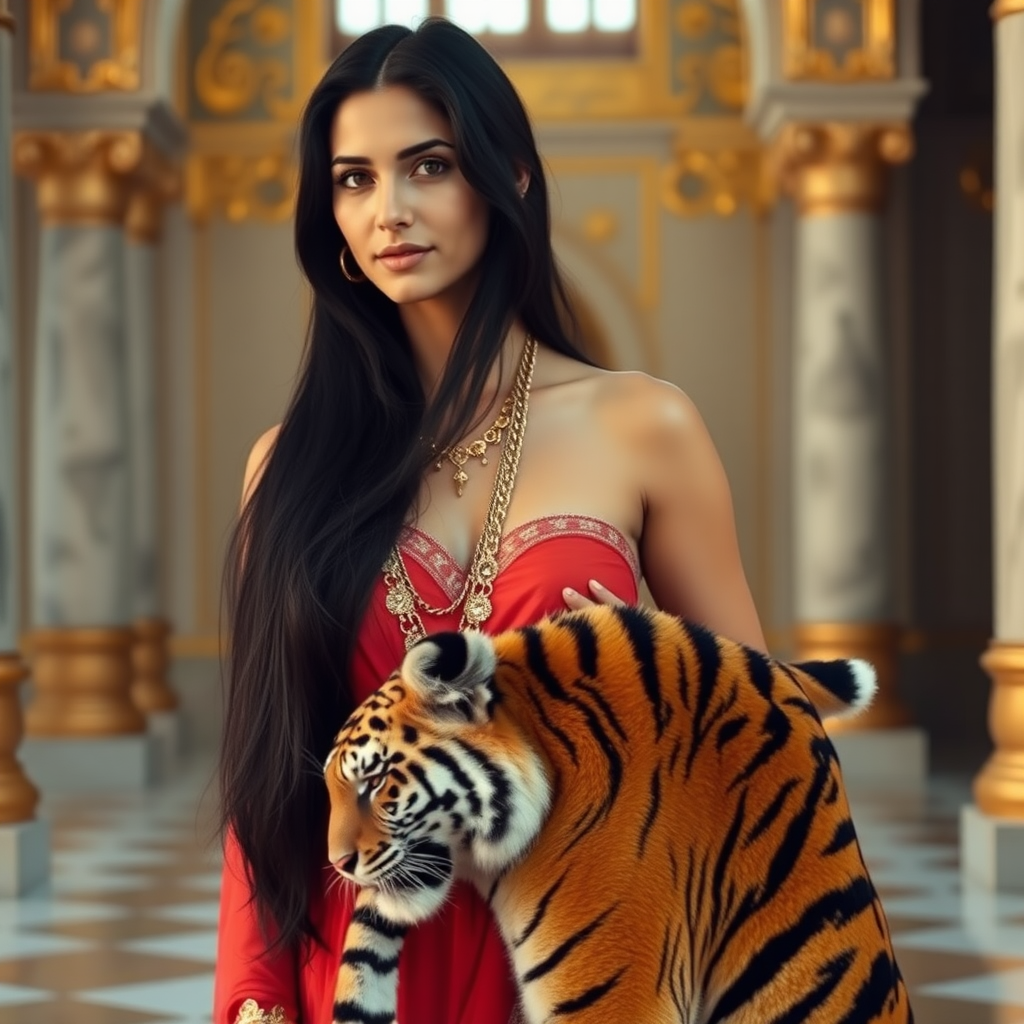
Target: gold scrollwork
<point x="712" y="182"/>
<point x="241" y="188"/>
<point x="228" y="79"/>
<point x="50" y="71"/>
<point x="807" y="58"/>
<point x="705" y="70"/>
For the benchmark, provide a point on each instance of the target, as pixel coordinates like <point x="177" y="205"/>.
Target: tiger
<point x="653" y="812"/>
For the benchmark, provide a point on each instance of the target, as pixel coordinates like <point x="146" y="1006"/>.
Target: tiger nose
<point x="347" y="865"/>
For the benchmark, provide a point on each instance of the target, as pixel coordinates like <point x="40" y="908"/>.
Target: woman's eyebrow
<point x="402" y="155"/>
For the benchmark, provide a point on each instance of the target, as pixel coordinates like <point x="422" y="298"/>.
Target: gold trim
<point x="18" y="797"/>
<point x="804" y="59"/>
<point x="81" y="177"/>
<point x="999" y="786"/>
<point x="839" y="166"/>
<point x="1004" y="8"/>
<point x="82" y="683"/>
<point x="876" y="642"/>
<point x="50" y="73"/>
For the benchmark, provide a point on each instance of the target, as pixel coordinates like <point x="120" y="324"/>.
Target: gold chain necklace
<point x="402" y="600"/>
<point x="458" y="455"/>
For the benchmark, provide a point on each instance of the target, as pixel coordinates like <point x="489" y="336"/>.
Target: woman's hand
<point x="574" y="600"/>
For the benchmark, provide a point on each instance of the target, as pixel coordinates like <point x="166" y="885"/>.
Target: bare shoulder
<point x="651" y="411"/>
<point x="257" y="460"/>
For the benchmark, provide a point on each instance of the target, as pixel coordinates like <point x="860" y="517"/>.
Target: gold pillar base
<point x="999" y="786"/>
<point x="150" y="689"/>
<point x="83" y="683"/>
<point x="18" y="797"/>
<point x="877" y="643"/>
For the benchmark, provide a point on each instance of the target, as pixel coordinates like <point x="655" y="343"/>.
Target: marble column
<point x="24" y="842"/>
<point x="843" y="586"/>
<point x="999" y="786"/>
<point x="150" y="690"/>
<point x="81" y="547"/>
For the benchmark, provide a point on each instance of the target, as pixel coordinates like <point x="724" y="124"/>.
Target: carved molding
<point x="56" y="70"/>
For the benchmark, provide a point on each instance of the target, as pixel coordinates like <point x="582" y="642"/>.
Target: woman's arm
<point x="243" y="971"/>
<point x="688" y="549"/>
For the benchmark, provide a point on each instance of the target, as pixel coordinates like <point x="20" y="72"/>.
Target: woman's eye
<point x="352" y="179"/>
<point x="431" y="167"/>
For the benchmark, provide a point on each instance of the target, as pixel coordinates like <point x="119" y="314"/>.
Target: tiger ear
<point x="454" y="672"/>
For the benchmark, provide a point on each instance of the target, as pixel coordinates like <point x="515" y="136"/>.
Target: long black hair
<point x="347" y="464"/>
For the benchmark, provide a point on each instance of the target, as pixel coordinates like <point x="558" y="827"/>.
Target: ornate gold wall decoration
<point x="712" y="182"/>
<point x="84" y="45"/>
<point x="840" y="40"/>
<point x="7" y="21"/>
<point x="241" y="187"/>
<point x="838" y="166"/>
<point x="244" y="67"/>
<point x="709" y="71"/>
<point x="976" y="179"/>
<point x="81" y="177"/>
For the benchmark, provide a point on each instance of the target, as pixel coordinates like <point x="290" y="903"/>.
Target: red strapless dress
<point x="454" y="969"/>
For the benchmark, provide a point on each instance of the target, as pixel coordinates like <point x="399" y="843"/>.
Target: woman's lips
<point x="404" y="260"/>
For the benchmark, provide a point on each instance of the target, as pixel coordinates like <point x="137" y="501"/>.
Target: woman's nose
<point x="393" y="209"/>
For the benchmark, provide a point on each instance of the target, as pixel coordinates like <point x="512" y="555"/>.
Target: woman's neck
<point x="431" y="327"/>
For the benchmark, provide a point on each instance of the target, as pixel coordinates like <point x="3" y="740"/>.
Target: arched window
<point x="513" y="28"/>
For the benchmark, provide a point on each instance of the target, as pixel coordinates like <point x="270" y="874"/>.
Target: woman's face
<point x="413" y="224"/>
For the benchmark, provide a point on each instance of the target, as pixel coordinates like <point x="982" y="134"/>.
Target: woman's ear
<point x="523" y="181"/>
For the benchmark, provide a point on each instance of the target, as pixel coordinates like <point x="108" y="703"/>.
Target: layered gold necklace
<point x="475" y="597"/>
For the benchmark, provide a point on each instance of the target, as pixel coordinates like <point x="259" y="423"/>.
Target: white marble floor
<point x="125" y="932"/>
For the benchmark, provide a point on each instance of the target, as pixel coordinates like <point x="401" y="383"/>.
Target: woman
<point x="438" y="339"/>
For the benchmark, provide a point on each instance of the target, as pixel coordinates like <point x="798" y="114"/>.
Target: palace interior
<point x="807" y="214"/>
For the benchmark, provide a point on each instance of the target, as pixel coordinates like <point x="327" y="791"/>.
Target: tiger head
<point x="430" y="779"/>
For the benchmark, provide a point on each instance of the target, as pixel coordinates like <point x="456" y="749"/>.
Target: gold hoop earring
<point x="359" y="277"/>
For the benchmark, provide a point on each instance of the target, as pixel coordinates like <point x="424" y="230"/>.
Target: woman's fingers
<point x="598" y="595"/>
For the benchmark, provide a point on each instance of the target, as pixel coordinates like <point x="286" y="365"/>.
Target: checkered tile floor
<point x="125" y="932"/>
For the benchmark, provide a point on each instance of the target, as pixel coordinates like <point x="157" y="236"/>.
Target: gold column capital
<point x="1004" y="8"/>
<point x="999" y="786"/>
<point x="81" y="177"/>
<point x="7" y="19"/>
<point x="839" y="166"/>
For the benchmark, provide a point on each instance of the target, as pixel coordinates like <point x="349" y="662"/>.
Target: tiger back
<point x="654" y="814"/>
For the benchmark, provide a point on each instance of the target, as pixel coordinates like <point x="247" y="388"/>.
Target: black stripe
<point x="652" y="810"/>
<point x="841" y="838"/>
<point x="550" y="962"/>
<point x="591" y="996"/>
<point x="441" y="756"/>
<point x="831" y="974"/>
<point x="348" y="1012"/>
<point x="501" y="802"/>
<point x="639" y="627"/>
<point x="882" y="985"/>
<point x="542" y="909"/>
<point x="599" y="699"/>
<point x="729" y="730"/>
<point x="832" y="910"/>
<point x="368" y="958"/>
<point x="545" y="720"/>
<point x="366" y="917"/>
<point x="586" y="642"/>
<point x="771" y="812"/>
